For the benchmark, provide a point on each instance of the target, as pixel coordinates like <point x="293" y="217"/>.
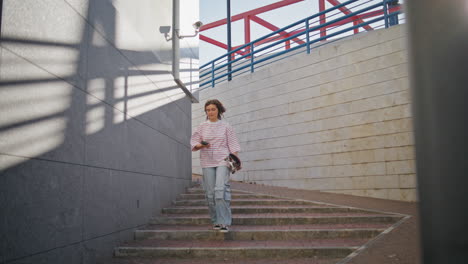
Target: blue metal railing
<point x="261" y="52"/>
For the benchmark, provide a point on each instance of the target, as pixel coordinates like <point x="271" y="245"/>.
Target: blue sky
<point x="213" y="10"/>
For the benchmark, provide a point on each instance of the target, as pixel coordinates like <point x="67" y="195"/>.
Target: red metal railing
<point x="301" y="36"/>
<point x="248" y="17"/>
<point x="251" y="15"/>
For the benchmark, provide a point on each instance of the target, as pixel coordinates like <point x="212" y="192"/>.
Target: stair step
<point x="270" y="219"/>
<point x="321" y="248"/>
<point x="263" y="209"/>
<point x="200" y="196"/>
<point x="266" y="229"/>
<point x="137" y="260"/>
<point x="201" y="191"/>
<point x="270" y="227"/>
<point x="257" y="235"/>
<point x="248" y="202"/>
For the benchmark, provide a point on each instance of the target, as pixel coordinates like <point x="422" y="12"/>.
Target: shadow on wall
<point x="93" y="141"/>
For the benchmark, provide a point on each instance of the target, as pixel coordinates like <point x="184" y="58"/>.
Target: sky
<point x="213" y="10"/>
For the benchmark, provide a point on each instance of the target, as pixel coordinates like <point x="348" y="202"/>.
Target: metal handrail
<point x="248" y="58"/>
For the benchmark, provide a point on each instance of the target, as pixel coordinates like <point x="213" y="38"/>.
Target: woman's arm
<point x="200" y="146"/>
<point x="195" y="140"/>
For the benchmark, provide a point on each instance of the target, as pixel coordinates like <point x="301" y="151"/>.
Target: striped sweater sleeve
<point x="196" y="138"/>
<point x="233" y="142"/>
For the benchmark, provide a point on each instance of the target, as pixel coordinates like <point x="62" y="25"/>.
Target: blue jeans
<point x="218" y="194"/>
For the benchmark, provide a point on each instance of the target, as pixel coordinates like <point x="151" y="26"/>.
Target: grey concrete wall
<point x="94" y="132"/>
<point x="337" y="120"/>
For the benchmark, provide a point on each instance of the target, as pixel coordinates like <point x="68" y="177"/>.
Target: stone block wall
<point x="337" y="120"/>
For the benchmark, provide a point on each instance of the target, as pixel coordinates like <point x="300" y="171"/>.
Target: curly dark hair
<point x="218" y="105"/>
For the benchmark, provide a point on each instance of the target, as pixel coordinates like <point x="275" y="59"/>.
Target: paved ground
<point x="400" y="246"/>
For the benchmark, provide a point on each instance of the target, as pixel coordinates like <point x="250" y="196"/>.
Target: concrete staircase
<point x="265" y="229"/>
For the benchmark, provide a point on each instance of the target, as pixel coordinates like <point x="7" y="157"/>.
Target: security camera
<point x="197" y="25"/>
<point x="164" y="29"/>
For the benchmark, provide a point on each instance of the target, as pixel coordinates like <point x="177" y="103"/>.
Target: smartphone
<point x="204" y="143"/>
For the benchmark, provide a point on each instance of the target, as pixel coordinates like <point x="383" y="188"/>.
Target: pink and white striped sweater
<point x="223" y="141"/>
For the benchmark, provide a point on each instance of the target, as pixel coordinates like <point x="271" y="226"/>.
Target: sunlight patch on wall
<point x="95" y="119"/>
<point x="137" y="95"/>
<point x="35" y="138"/>
<point x="132" y="30"/>
<point x="95" y="113"/>
<point x="189" y="73"/>
<point x="33" y="117"/>
<point x="60" y="61"/>
<point x="130" y="96"/>
<point x="97" y="91"/>
<point x="48" y="34"/>
<point x="28" y="103"/>
<point x="9" y="161"/>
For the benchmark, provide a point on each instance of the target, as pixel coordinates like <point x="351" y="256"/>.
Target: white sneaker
<point x="224" y="229"/>
<point x="217" y="227"/>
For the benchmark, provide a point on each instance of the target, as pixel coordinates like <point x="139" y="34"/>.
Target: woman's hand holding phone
<point x="203" y="144"/>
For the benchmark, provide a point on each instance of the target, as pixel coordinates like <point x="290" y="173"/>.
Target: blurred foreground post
<point x="438" y="49"/>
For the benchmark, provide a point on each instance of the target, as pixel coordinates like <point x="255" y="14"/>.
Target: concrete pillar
<point x="438" y="41"/>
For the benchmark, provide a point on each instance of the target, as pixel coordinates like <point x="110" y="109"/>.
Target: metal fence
<point x="342" y="20"/>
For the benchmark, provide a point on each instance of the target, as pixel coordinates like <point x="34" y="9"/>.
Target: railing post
<point x="212" y="75"/>
<point x="251" y="57"/>
<point x="307" y="36"/>
<point x="385" y="11"/>
<point x="356" y="30"/>
<point x="322" y="19"/>
<point x="247" y="32"/>
<point x="392" y="19"/>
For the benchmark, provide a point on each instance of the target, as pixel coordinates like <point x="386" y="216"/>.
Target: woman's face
<point x="212" y="112"/>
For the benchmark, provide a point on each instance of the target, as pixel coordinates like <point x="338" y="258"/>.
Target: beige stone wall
<point x="337" y="120"/>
